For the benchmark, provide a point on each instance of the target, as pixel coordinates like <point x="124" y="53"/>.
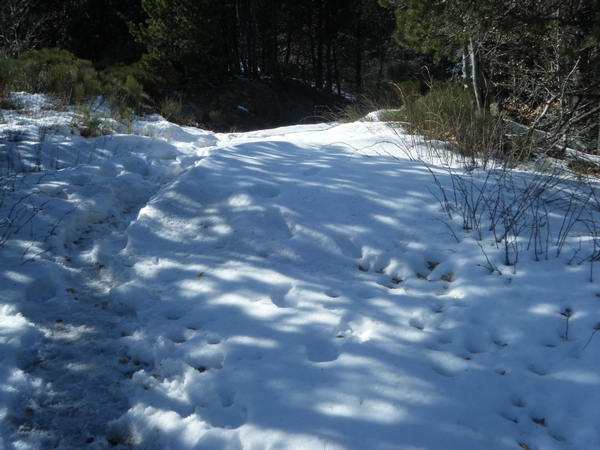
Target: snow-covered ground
<point x="296" y="288"/>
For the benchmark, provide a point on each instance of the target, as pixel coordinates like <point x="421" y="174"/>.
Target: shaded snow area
<point x="296" y="288"/>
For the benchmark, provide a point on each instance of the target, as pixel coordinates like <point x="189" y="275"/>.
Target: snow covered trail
<point x="77" y="373"/>
<point x="300" y="291"/>
<point x="266" y="295"/>
<point x="66" y="372"/>
<point x="292" y="288"/>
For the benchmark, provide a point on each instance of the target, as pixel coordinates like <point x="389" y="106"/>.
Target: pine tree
<point x="184" y="40"/>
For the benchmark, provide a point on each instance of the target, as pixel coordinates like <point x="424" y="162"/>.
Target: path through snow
<point x="289" y="288"/>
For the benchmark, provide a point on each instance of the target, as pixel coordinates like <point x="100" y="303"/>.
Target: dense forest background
<point x="194" y="42"/>
<point x="535" y="62"/>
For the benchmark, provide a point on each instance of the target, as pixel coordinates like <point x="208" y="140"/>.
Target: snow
<point x="291" y="288"/>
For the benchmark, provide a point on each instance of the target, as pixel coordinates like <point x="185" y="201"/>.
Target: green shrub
<point x="408" y="91"/>
<point x="171" y="108"/>
<point x="71" y="80"/>
<point x="92" y="125"/>
<point x="216" y="117"/>
<point x="78" y="93"/>
<point x="50" y="71"/>
<point x="6" y="70"/>
<point x="126" y="119"/>
<point x="352" y="113"/>
<point x="391" y="115"/>
<point x="134" y="91"/>
<point x="448" y="113"/>
<point x="119" y="74"/>
<point x="53" y="71"/>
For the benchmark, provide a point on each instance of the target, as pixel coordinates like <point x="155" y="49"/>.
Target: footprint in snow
<point x="332" y="293"/>
<point x="443" y="371"/>
<point x="417" y="323"/>
<point x="348" y="248"/>
<point x="476" y="343"/>
<point x="539" y="369"/>
<point x="173" y="313"/>
<point x="436" y="307"/>
<point x="228" y="414"/>
<point x="445" y="339"/>
<point x="448" y="365"/>
<point x="229" y="418"/>
<point x="390" y="282"/>
<point x="311" y="171"/>
<point x="284" y="295"/>
<point x="277" y="223"/>
<point x="387" y="275"/>
<point x="510" y="416"/>
<point x="322" y="348"/>
<point x="179" y="335"/>
<point x="527" y="413"/>
<point x="382" y="262"/>
<point x="264" y="190"/>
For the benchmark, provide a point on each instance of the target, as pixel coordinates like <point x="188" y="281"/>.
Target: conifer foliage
<point x="335" y="44"/>
<point x="538" y="60"/>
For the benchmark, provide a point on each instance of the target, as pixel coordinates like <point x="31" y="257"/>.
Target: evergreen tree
<point x="96" y="30"/>
<point x="449" y="29"/>
<point x="184" y="40"/>
<point x="544" y="56"/>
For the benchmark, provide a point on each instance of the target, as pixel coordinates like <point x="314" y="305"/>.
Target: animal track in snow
<point x="179" y="336"/>
<point x="173" y="313"/>
<point x="230" y="417"/>
<point x="509" y="416"/>
<point x="528" y="412"/>
<point x="448" y="365"/>
<point x="332" y="293"/>
<point x="220" y="409"/>
<point x="311" y="171"/>
<point x="277" y="223"/>
<point x="416" y="323"/>
<point x="445" y="339"/>
<point x="501" y="371"/>
<point x="213" y="339"/>
<point x="436" y="306"/>
<point x="363" y="267"/>
<point x="347" y="247"/>
<point x="441" y="370"/>
<point x="322" y="348"/>
<point x="242" y="352"/>
<point x="284" y="295"/>
<point x="264" y="190"/>
<point x="381" y="263"/>
<point x="475" y="344"/>
<point x="205" y="357"/>
<point x="538" y="369"/>
<point x="390" y="283"/>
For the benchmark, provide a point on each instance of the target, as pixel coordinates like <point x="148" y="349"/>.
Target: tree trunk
<point x="336" y="71"/>
<point x="319" y="68"/>
<point x="476" y="77"/>
<point x="466" y="67"/>
<point x="328" y="69"/>
<point x="358" y="53"/>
